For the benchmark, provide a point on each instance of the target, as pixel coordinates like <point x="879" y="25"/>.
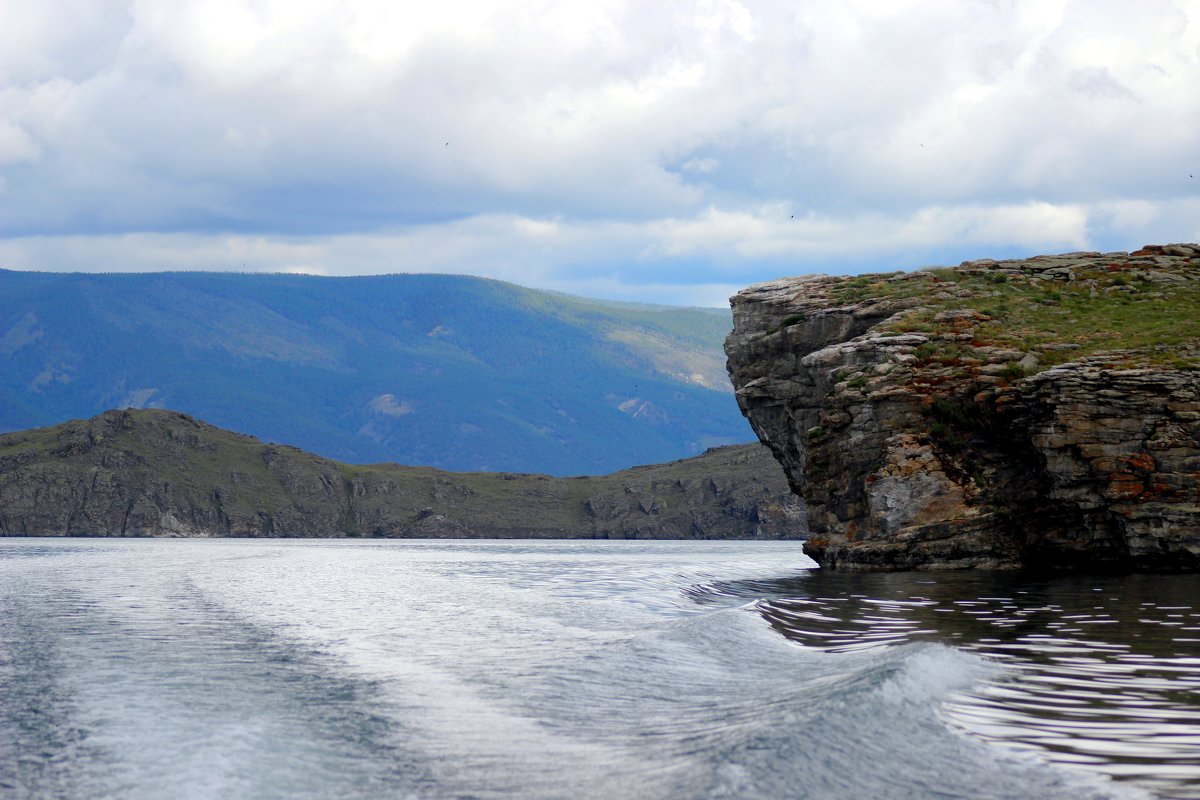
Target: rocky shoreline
<point x="1038" y="413"/>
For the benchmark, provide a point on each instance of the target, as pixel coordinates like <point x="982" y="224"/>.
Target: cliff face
<point x="1037" y="413"/>
<point x="160" y="473"/>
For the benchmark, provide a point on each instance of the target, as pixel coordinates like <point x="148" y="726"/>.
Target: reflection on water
<point x="1102" y="672"/>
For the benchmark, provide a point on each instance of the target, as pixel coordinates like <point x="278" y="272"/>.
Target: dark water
<point x="142" y="668"/>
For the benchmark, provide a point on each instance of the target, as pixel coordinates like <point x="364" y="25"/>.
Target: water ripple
<point x="1100" y="673"/>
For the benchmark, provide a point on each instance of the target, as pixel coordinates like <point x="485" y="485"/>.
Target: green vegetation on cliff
<point x="1142" y="306"/>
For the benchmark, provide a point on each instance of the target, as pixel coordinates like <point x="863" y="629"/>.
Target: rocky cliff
<point x="160" y="473"/>
<point x="1026" y="413"/>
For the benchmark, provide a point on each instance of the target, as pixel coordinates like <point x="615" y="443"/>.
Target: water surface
<point x="469" y="669"/>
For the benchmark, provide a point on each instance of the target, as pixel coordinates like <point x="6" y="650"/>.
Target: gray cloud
<point x="667" y="151"/>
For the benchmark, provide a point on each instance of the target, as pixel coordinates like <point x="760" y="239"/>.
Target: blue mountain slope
<point x="455" y="372"/>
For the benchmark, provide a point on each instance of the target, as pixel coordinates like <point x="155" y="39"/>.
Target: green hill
<point x="160" y="473"/>
<point x="448" y="371"/>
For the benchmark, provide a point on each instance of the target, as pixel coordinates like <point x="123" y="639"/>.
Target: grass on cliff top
<point x="1096" y="311"/>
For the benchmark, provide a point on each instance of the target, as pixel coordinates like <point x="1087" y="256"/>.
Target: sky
<point x="669" y="152"/>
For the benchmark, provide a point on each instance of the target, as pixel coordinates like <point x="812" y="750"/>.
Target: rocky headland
<point x="161" y="473"/>
<point x="1038" y="413"/>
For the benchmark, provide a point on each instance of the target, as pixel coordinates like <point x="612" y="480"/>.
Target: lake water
<point x="577" y="669"/>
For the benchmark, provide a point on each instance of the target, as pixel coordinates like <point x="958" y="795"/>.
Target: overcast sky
<point x="664" y="151"/>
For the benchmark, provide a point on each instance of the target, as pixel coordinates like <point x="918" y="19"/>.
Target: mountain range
<point x="453" y="372"/>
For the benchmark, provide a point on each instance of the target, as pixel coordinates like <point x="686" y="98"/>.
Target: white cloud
<point x="17" y="145"/>
<point x="697" y="260"/>
<point x="700" y="165"/>
<point x="635" y="141"/>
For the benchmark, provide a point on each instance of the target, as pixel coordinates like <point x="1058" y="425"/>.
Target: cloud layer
<point x="671" y="152"/>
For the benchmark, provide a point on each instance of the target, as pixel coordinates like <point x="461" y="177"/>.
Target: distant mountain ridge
<point x="150" y="472"/>
<point x="448" y="371"/>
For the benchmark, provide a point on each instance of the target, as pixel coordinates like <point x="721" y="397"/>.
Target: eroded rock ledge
<point x="1029" y="413"/>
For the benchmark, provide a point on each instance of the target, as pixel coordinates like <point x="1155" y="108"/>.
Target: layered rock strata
<point x="160" y="473"/>
<point x="1027" y="413"/>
